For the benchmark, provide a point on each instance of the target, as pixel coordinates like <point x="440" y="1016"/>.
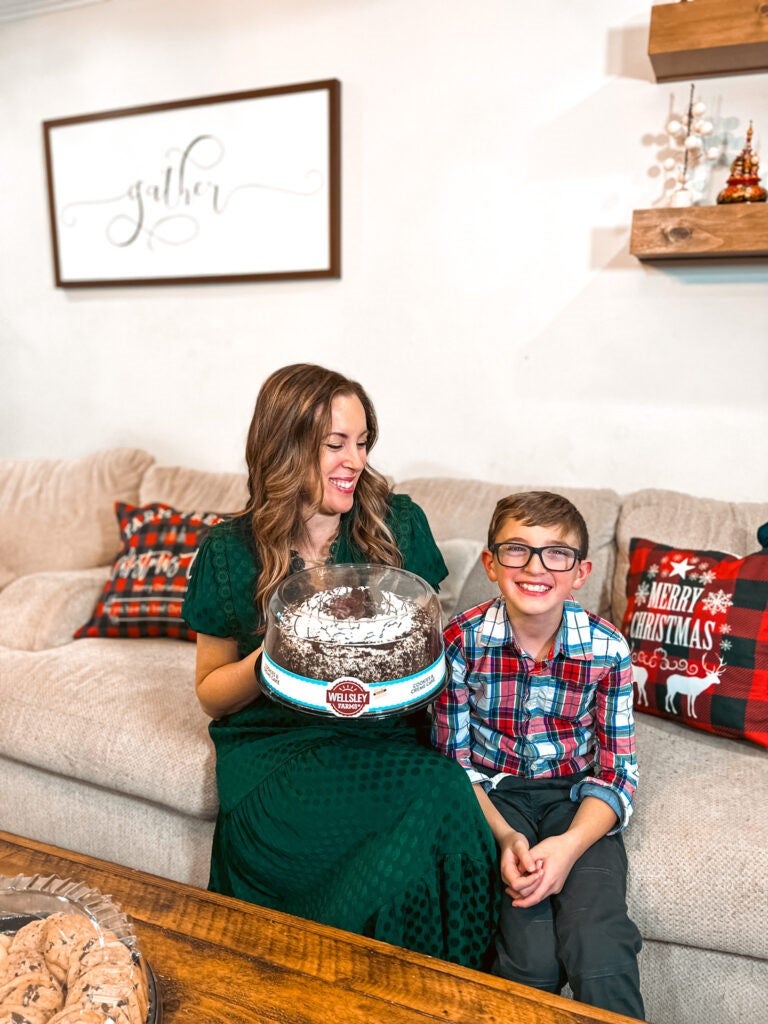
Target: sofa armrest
<point x="44" y="609"/>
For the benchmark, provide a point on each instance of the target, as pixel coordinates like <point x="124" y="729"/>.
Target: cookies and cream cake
<point x="351" y="640"/>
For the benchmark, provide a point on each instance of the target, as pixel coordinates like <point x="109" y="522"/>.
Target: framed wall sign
<point x="236" y="187"/>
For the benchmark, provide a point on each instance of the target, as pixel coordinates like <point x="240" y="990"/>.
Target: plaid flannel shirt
<point x="503" y="713"/>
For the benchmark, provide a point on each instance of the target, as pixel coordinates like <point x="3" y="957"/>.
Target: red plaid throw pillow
<point x="146" y="588"/>
<point x="697" y="624"/>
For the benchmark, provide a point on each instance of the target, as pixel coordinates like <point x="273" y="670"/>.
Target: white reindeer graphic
<point x="692" y="686"/>
<point x="641" y="678"/>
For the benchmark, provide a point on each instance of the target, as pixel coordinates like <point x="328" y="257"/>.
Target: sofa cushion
<point x="45" y="608"/>
<point x="146" y="587"/>
<point x="190" y="489"/>
<point x="698" y="842"/>
<point x="459" y="554"/>
<point x="120" y="714"/>
<point x="682" y="520"/>
<point x="99" y="822"/>
<point x="59" y="513"/>
<point x="697" y="624"/>
<point x="463" y="508"/>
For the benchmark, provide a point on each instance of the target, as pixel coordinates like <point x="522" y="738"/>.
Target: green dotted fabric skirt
<point x="363" y="827"/>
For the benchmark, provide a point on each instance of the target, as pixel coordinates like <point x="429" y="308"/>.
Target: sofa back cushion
<point x="59" y="514"/>
<point x="682" y="520"/>
<point x="192" y="489"/>
<point x="463" y="508"/>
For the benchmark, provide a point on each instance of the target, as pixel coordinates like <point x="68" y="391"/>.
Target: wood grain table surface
<point x="218" y="960"/>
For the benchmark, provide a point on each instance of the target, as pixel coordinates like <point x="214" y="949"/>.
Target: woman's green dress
<point x="357" y="824"/>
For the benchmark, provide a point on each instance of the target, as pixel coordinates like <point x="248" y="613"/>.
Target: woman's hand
<point x="224" y="682"/>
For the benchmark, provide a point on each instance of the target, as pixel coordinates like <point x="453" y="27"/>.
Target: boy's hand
<point x="555" y="857"/>
<point x="520" y="873"/>
<point x="557" y="854"/>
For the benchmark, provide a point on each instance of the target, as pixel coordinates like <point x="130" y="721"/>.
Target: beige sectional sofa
<point x="103" y="748"/>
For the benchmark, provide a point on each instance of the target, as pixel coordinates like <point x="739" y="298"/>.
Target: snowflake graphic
<point x="725" y="645"/>
<point x="725" y="627"/>
<point x="642" y="593"/>
<point x="717" y="603"/>
<point x="707" y="577"/>
<point x="653" y="571"/>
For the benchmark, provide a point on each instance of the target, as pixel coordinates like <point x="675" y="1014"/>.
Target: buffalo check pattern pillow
<point x="145" y="591"/>
<point x="697" y="626"/>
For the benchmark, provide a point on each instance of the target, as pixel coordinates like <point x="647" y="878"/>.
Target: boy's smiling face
<point x="532" y="591"/>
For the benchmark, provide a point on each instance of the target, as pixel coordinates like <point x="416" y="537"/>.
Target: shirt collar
<point x="574" y="638"/>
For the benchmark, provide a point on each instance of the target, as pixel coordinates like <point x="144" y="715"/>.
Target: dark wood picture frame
<point x="241" y="186"/>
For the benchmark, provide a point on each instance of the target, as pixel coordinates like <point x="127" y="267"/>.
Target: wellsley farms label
<point x="348" y="697"/>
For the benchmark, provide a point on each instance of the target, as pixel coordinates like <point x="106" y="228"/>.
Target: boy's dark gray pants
<point x="582" y="935"/>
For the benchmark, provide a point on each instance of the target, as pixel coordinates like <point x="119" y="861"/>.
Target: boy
<point x="539" y="712"/>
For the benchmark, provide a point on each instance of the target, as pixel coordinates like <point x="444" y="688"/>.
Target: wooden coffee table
<point x="220" y="961"/>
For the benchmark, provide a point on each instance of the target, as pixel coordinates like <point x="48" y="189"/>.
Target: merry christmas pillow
<point x="146" y="587"/>
<point x="697" y="625"/>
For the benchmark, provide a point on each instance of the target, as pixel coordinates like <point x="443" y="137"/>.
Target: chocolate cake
<point x="362" y="640"/>
<point x="340" y="633"/>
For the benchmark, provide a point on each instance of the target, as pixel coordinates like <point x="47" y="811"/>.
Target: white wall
<point x="493" y="153"/>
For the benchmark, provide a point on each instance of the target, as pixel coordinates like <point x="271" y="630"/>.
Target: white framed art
<point x="235" y="187"/>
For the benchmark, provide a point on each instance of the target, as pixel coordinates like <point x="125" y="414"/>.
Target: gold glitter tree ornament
<point x="744" y="181"/>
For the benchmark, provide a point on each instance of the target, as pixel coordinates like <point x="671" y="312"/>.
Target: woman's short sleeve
<point x="421" y="555"/>
<point x="208" y="606"/>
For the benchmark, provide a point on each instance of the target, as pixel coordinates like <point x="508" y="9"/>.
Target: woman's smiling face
<point x="343" y="454"/>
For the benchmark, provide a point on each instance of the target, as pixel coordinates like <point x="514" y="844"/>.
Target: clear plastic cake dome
<point x="353" y="641"/>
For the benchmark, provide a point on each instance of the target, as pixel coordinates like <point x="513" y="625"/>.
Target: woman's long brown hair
<point x="290" y="420"/>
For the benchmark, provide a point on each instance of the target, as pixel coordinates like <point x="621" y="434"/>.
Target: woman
<point x="357" y="823"/>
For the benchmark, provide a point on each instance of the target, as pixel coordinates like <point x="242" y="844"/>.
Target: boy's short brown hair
<point x="540" y="508"/>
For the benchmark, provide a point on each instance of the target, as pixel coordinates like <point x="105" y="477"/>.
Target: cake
<point x="351" y="640"/>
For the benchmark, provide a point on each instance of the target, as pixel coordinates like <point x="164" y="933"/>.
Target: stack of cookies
<point x="63" y="969"/>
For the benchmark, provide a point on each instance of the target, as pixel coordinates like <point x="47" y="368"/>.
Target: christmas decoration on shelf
<point x="744" y="181"/>
<point x="688" y="135"/>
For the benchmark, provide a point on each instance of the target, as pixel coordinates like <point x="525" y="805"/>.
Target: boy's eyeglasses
<point x="555" y="557"/>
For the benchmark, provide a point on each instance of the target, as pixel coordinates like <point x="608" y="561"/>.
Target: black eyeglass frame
<point x="576" y="552"/>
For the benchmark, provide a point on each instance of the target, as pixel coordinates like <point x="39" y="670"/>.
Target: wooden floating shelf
<point x="708" y="37"/>
<point x="669" y="233"/>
